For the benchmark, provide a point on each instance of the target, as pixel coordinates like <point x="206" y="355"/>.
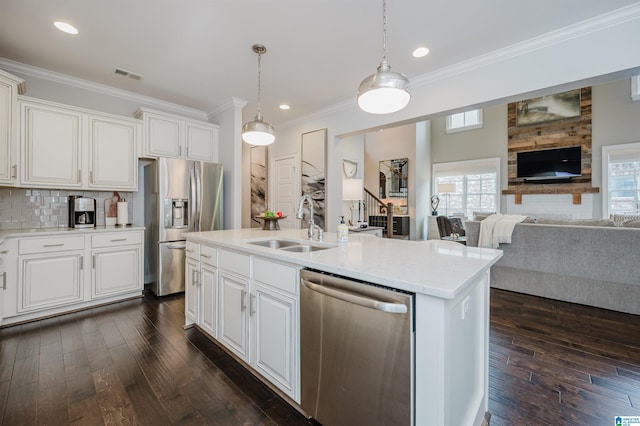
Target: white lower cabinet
<point x="255" y="303"/>
<point x="234" y="313"/>
<point x="50" y="280"/>
<point x="54" y="274"/>
<point x="275" y="337"/>
<point x="208" y="299"/>
<point x="191" y="290"/>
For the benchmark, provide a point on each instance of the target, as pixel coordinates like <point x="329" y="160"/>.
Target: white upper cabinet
<point x="172" y="136"/>
<point x="9" y="122"/>
<point x="112" y="153"/>
<point x="67" y="147"/>
<point x="51" y="155"/>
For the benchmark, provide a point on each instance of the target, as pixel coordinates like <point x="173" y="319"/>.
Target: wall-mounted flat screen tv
<point x="556" y="164"/>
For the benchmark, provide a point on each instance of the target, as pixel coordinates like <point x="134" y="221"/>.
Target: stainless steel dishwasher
<point x="356" y="351"/>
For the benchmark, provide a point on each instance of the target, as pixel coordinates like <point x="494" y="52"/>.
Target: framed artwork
<point x="548" y="108"/>
<point x="258" y="183"/>
<point x="314" y="159"/>
<point x="349" y="168"/>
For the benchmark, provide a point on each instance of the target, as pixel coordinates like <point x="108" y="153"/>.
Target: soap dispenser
<point x="343" y="231"/>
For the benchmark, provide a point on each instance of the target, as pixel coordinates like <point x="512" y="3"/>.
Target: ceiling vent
<point x="126" y="73"/>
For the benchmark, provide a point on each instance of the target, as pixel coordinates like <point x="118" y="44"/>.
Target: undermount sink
<point x="304" y="248"/>
<point x="275" y="244"/>
<point x="292" y="246"/>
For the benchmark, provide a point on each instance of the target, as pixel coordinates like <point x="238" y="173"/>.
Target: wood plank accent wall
<point x="555" y="134"/>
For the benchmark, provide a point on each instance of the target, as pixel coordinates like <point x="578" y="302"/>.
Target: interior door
<point x="286" y="193"/>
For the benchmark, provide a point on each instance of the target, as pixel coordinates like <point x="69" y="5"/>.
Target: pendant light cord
<point x="259" y="85"/>
<point x="384" y="30"/>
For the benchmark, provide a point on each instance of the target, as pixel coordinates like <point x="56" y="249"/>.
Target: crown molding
<point x="103" y="89"/>
<point x="233" y="103"/>
<point x="577" y="30"/>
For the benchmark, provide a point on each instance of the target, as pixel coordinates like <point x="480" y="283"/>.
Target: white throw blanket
<point x="497" y="229"/>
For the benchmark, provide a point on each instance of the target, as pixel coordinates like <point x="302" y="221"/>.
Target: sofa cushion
<point x="576" y="222"/>
<point x="631" y="223"/>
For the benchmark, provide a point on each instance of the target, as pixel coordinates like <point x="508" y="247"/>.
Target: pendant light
<point x="385" y="91"/>
<point x="258" y="131"/>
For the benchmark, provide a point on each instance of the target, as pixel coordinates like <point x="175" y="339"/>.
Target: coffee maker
<point x="82" y="212"/>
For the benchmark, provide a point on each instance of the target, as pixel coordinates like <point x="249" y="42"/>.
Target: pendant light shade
<point x="385" y="91"/>
<point x="258" y="131"/>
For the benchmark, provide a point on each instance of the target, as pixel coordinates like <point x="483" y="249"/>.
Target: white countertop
<point x="432" y="267"/>
<point x="32" y="232"/>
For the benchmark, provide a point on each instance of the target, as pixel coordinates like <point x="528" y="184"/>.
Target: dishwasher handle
<point x="393" y="308"/>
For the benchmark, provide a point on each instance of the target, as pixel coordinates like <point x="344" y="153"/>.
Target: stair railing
<point x="376" y="207"/>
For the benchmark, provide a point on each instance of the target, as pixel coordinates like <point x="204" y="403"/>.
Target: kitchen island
<point x="244" y="292"/>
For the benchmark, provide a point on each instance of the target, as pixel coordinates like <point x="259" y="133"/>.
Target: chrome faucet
<point x="312" y="225"/>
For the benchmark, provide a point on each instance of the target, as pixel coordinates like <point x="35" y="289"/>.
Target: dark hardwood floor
<point x="132" y="363"/>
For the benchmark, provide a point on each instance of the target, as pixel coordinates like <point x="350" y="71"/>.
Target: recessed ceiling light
<point x="65" y="27"/>
<point x="420" y="52"/>
<point x="284" y="106"/>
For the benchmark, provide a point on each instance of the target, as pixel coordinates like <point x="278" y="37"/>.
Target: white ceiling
<point x="197" y="53"/>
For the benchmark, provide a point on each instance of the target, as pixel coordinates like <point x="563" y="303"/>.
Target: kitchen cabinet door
<point x="234" y="316"/>
<point x="208" y="299"/>
<point x="162" y="135"/>
<point x="113" y="159"/>
<point x="275" y="338"/>
<point x="116" y="271"/>
<point x="49" y="280"/>
<point x="9" y="123"/>
<point x="50" y="143"/>
<point x="191" y="290"/>
<point x="201" y="140"/>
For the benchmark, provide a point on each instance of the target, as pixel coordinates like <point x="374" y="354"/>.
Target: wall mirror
<point x="394" y="179"/>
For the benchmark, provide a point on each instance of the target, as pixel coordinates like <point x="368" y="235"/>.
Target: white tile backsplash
<point x="43" y="208"/>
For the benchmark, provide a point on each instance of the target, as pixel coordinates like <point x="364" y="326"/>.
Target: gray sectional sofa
<point x="591" y="265"/>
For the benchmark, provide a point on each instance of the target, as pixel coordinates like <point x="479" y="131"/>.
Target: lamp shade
<point x="446" y="188"/>
<point x="258" y="132"/>
<point x="352" y="189"/>
<point x="383" y="92"/>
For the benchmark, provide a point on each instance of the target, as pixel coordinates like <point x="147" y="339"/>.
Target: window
<point x="467" y="186"/>
<point x="621" y="179"/>
<point x="464" y="121"/>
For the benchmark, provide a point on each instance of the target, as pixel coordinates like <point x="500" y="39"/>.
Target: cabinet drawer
<point x="277" y="275"/>
<point x="116" y="239"/>
<point x="192" y="250"/>
<point x="209" y="255"/>
<point x="235" y="262"/>
<point x="50" y="244"/>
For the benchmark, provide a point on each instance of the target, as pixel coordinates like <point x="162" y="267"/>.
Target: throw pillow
<point x="619" y="219"/>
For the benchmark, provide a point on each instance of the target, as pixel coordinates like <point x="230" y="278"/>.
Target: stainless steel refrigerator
<point x="180" y="196"/>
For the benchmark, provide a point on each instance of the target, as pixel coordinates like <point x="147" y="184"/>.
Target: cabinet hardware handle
<point x="194" y="277"/>
<point x="187" y="150"/>
<point x="91" y="176"/>
<point x="4" y="251"/>
<point x="243" y="305"/>
<point x="179" y="151"/>
<point x="4" y="280"/>
<point x="252" y="305"/>
<point x="93" y="261"/>
<point x="81" y="263"/>
<point x="79" y="175"/>
<point x="54" y="245"/>
<point x="14" y="171"/>
<point x="118" y="239"/>
<point x="206" y="256"/>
